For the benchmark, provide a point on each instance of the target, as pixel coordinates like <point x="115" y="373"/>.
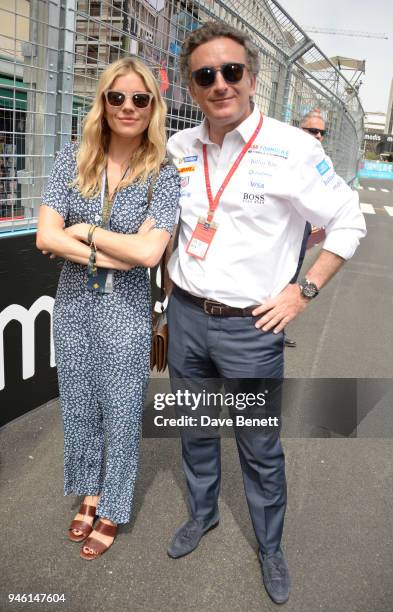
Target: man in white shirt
<point x="249" y="183"/>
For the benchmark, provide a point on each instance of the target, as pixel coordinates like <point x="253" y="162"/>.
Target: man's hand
<point x="279" y="311"/>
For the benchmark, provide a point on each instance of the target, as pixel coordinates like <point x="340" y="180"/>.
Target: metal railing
<point x="52" y="53"/>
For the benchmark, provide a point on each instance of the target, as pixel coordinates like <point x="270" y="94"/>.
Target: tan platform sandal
<point x="96" y="546"/>
<point x="82" y="526"/>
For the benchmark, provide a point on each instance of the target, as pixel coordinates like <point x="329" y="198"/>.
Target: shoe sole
<point x="190" y="551"/>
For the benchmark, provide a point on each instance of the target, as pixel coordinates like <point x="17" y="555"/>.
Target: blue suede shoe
<point x="276" y="576"/>
<point x="187" y="537"/>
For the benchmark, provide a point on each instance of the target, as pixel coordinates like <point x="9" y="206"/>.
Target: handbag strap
<point x="162" y="263"/>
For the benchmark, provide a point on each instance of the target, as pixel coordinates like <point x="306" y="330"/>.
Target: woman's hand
<point x="79" y="231"/>
<point x="51" y="255"/>
<point x="147" y="226"/>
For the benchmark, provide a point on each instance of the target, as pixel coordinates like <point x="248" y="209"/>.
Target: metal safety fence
<point x="53" y="51"/>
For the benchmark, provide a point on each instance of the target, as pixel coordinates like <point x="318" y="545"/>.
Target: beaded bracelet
<point x="92" y="263"/>
<point x="90" y="235"/>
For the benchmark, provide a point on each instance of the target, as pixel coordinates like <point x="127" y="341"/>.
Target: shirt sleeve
<point x="323" y="198"/>
<point x="56" y="194"/>
<point x="165" y="198"/>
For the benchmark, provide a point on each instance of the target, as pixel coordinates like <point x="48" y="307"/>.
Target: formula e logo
<point x="253" y="198"/>
<point x="269" y="150"/>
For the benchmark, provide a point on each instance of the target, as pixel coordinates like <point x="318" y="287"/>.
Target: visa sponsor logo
<point x="322" y="167"/>
<point x="257" y="185"/>
<point x="269" y="150"/>
<point x="253" y="198"/>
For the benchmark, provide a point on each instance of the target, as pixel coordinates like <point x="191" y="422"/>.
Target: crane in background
<point x="316" y="30"/>
<point x="357" y="66"/>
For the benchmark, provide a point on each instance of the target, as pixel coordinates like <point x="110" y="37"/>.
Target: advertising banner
<point x="27" y="362"/>
<point x="375" y="169"/>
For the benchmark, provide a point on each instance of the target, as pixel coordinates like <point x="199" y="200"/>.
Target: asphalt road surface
<point x="347" y="331"/>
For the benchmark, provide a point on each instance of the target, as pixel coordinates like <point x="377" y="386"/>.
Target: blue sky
<point x="359" y="15"/>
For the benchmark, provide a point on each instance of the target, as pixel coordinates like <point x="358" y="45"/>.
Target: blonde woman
<point x="99" y="214"/>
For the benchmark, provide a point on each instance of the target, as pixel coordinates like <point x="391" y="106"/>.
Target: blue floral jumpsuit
<point x="102" y="343"/>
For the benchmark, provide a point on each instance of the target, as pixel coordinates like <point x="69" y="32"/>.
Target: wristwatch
<point x="308" y="289"/>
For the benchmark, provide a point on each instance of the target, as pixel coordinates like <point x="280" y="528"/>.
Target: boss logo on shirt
<point x="253" y="198"/>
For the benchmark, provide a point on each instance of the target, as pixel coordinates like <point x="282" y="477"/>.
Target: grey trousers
<point x="232" y="350"/>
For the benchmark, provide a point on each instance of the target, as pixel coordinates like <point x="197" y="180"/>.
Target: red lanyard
<point x="213" y="203"/>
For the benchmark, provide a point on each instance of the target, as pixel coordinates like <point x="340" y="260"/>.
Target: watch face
<point x="310" y="290"/>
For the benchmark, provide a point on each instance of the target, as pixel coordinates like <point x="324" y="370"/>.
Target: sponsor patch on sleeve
<point x="323" y="167"/>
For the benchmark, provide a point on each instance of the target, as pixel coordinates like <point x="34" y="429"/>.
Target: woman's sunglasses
<point x="231" y="72"/>
<point x="315" y="131"/>
<point x="140" y="99"/>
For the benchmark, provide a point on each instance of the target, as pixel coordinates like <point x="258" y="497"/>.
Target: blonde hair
<point x="92" y="153"/>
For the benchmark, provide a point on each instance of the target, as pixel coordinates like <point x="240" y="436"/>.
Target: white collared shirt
<point x="284" y="180"/>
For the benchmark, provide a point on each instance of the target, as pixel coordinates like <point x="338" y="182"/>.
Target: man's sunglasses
<point x="315" y="131"/>
<point x="231" y="72"/>
<point x="140" y="99"/>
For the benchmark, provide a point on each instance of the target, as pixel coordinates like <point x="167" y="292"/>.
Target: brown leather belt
<point x="211" y="307"/>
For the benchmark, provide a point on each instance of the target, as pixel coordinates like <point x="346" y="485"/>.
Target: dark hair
<point x="209" y="31"/>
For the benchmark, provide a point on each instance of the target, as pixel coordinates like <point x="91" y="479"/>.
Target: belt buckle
<point x="212" y="305"/>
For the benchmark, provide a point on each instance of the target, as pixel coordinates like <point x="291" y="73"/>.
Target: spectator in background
<point x="314" y="124"/>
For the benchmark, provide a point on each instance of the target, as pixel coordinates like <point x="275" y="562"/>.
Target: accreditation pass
<point x="201" y="238"/>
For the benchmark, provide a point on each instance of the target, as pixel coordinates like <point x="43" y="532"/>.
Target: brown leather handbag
<point x="159" y="341"/>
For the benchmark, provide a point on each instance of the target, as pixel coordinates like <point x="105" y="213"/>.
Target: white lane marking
<point x="368" y="209"/>
<point x="389" y="210"/>
<point x="384" y="190"/>
<point x="371" y="188"/>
